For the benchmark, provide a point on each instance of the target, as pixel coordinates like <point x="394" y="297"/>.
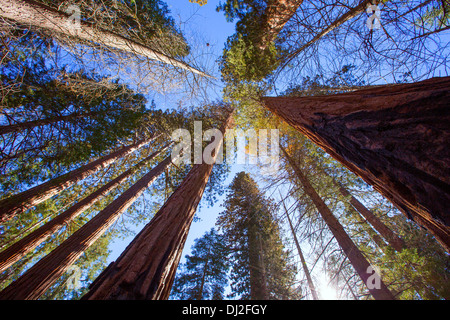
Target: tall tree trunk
<point x="368" y="228"/>
<point x="20" y="202"/>
<point x="394" y="240"/>
<point x="147" y="267"/>
<point x="19" y="249"/>
<point x="276" y="15"/>
<point x="258" y="285"/>
<point x="311" y="286"/>
<point x="350" y="14"/>
<point x="36" y="280"/>
<point x="357" y="259"/>
<point x="394" y="137"/>
<point x="18" y="127"/>
<point x="202" y="283"/>
<point x="33" y="13"/>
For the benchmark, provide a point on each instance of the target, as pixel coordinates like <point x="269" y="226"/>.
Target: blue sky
<point x="209" y="27"/>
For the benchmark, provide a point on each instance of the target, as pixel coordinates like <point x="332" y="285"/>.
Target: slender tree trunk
<point x="394" y="137"/>
<point x="350" y="14"/>
<point x="202" y="283"/>
<point x="276" y="15"/>
<point x="352" y="252"/>
<point x="368" y="228"/>
<point x="20" y="202"/>
<point x="394" y="240"/>
<point x="311" y="286"/>
<point x="258" y="287"/>
<point x="18" y="127"/>
<point x="28" y="12"/>
<point x="36" y="280"/>
<point x="19" y="249"/>
<point x="146" y="269"/>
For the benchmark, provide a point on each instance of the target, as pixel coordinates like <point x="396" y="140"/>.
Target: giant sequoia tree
<point x="393" y="137"/>
<point x="146" y="269"/>
<point x="80" y="145"/>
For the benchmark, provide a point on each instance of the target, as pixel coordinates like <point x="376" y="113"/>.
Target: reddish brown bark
<point x="36" y="280"/>
<point x="20" y="248"/>
<point x="146" y="269"/>
<point x="276" y="15"/>
<point x="357" y="259"/>
<point x="394" y="137"/>
<point x="20" y="202"/>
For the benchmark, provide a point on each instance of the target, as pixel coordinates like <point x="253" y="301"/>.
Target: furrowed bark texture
<point x="20" y="202"/>
<point x="20" y="248"/>
<point x="354" y="255"/>
<point x="146" y="269"/>
<point x="394" y="137"/>
<point x="28" y="12"/>
<point x="276" y="15"/>
<point x="36" y="280"/>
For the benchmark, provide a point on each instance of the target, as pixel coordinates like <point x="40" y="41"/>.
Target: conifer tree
<point x="204" y="275"/>
<point x="260" y="266"/>
<point x="36" y="280"/>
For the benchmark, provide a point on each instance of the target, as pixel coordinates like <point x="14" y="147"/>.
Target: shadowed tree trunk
<point x="146" y="269"/>
<point x="19" y="249"/>
<point x="357" y="259"/>
<point x="20" y="202"/>
<point x="36" y="280"/>
<point x="202" y="283"/>
<point x="394" y="240"/>
<point x="367" y="227"/>
<point x="28" y="12"/>
<point x="311" y="286"/>
<point x="394" y="137"/>
<point x="258" y="281"/>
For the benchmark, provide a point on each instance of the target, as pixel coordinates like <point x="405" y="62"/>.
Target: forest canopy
<point x="354" y="95"/>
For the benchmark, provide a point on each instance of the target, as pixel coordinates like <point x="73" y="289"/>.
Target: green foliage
<point x="422" y="270"/>
<point x="145" y="21"/>
<point x="243" y="61"/>
<point x="438" y="15"/>
<point x="248" y="211"/>
<point x="99" y="123"/>
<point x="339" y="82"/>
<point x="204" y="275"/>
